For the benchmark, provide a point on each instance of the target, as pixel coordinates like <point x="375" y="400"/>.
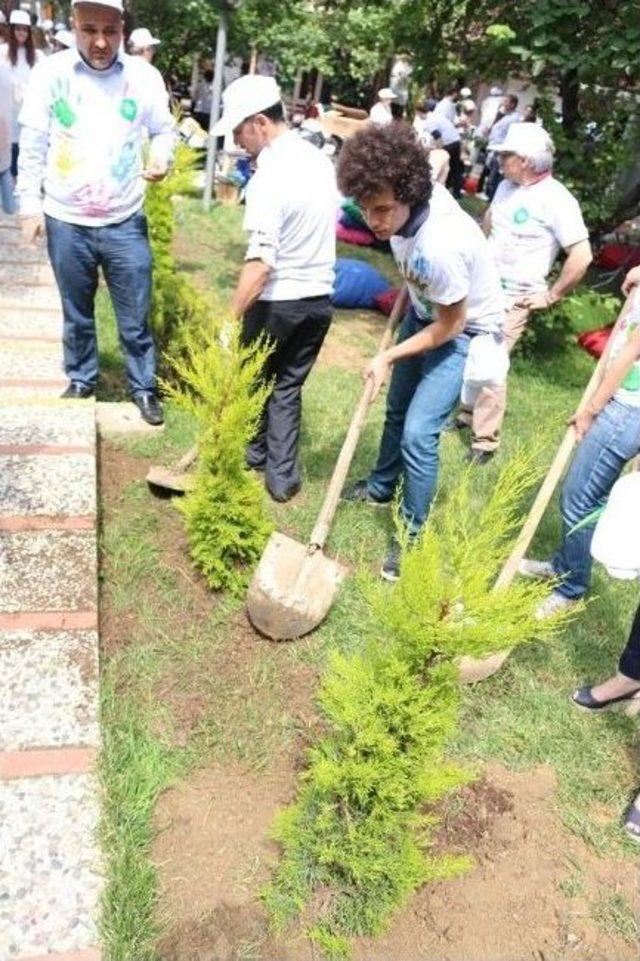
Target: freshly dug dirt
<point x="213" y="853"/>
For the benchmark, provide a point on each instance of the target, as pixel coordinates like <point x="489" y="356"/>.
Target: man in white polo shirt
<point x="287" y="279"/>
<point x="531" y="219"/>
<point x="85" y="115"/>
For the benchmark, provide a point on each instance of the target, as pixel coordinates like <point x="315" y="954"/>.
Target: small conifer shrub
<point x="358" y="840"/>
<point x="218" y="382"/>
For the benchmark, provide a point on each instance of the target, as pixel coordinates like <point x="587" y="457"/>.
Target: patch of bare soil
<point x="213" y="853"/>
<point x="349" y="343"/>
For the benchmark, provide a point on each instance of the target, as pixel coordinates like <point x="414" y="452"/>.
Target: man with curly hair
<point x="454" y="293"/>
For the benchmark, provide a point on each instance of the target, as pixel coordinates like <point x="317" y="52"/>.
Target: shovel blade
<point x="292" y="589"/>
<point x="170" y="480"/>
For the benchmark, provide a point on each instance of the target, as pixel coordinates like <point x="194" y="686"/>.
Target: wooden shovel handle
<point x="323" y="524"/>
<point x="187" y="460"/>
<point x="554" y="474"/>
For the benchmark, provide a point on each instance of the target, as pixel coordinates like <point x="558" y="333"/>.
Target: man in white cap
<point x="287" y="279"/>
<point x="84" y="117"/>
<point x="381" y="113"/>
<point x="531" y="219"/>
<point x="142" y="43"/>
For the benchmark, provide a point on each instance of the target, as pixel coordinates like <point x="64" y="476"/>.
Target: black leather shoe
<point x="77" y="391"/>
<point x="150" y="408"/>
<point x="584" y="698"/>
<point x="284" y="494"/>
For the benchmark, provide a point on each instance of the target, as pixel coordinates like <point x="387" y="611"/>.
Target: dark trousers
<point x="297" y="329"/>
<point x="123" y="252"/>
<point x="15" y="151"/>
<point x="494" y="176"/>
<point x="456" y="169"/>
<point x="630" y="659"/>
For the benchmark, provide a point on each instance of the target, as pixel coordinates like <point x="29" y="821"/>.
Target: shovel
<point x="477" y="669"/>
<point x="176" y="479"/>
<point x="294" y="584"/>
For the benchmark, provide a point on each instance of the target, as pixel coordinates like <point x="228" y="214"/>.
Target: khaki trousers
<point x="485" y="420"/>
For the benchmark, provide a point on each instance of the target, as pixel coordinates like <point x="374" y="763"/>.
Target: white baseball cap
<point x="142" y="38"/>
<point x="114" y="4"/>
<point x="243" y="98"/>
<point x="387" y="94"/>
<point x="65" y="37"/>
<point x="525" y="140"/>
<point x="465" y="92"/>
<point x="47" y="25"/>
<point x="20" y="18"/>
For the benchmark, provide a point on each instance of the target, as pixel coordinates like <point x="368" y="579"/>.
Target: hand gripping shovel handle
<point x="323" y="524"/>
<point x="554" y="474"/>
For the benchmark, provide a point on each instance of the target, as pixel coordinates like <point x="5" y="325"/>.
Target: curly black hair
<point x="385" y="156"/>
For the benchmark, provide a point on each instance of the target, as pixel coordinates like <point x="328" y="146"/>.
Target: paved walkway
<point x="50" y="881"/>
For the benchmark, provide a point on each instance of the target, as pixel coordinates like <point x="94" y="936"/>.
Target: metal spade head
<point x="292" y="589"/>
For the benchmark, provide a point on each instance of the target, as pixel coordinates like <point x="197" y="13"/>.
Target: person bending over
<point x="454" y="294"/>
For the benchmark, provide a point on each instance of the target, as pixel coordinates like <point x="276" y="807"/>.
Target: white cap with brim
<point x="142" y="38"/>
<point x="465" y="92"/>
<point x="495" y="91"/>
<point x="525" y="140"/>
<point x="387" y="94"/>
<point x="20" y="18"/>
<point x="243" y="98"/>
<point x="114" y="4"/>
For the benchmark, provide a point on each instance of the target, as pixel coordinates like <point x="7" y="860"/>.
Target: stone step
<point x="49" y="689"/>
<point x="21" y="273"/>
<point x="29" y="298"/>
<point x="48" y="571"/>
<point x="22" y="364"/>
<point x="70" y="424"/>
<point x="50" y="871"/>
<point x="34" y="323"/>
<point x="48" y="485"/>
<point x="11" y="394"/>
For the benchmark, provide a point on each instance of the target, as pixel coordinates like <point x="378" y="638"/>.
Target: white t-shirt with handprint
<point x="83" y="135"/>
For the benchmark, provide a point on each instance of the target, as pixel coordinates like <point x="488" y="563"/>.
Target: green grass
<point x="522" y="717"/>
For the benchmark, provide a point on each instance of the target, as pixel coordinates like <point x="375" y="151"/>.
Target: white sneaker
<point x="541" y="570"/>
<point x="553" y="604"/>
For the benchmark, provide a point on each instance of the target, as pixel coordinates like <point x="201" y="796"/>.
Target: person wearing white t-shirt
<point x="6" y="180"/>
<point x="446" y="107"/>
<point x="454" y="294"/>
<point x="95" y="125"/>
<point x="381" y="113"/>
<point x="21" y="56"/>
<point x="285" y="286"/>
<point x="532" y="218"/>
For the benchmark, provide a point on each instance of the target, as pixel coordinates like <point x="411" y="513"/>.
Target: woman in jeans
<point x="608" y="427"/>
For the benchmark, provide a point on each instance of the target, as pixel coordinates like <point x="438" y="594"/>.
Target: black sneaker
<point x="390" y="569"/>
<point x="359" y="492"/>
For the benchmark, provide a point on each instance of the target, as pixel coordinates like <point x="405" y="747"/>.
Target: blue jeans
<point x="7" y="199"/>
<point x="423" y="392"/>
<point x="613" y="439"/>
<point x="123" y="252"/>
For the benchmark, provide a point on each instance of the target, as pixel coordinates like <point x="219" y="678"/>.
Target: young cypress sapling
<point x="360" y="831"/>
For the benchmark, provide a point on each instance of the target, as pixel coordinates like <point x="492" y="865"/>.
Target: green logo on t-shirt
<point x="521" y="215"/>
